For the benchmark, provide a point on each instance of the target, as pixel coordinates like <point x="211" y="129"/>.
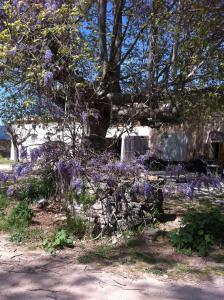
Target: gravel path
<point x="34" y="275"/>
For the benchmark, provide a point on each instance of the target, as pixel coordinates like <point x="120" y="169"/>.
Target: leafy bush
<point x="201" y="228"/>
<point x="4" y="202"/>
<point x="60" y="240"/>
<point x="82" y="198"/>
<point x="35" y="188"/>
<point x="75" y="226"/>
<point x="20" y="216"/>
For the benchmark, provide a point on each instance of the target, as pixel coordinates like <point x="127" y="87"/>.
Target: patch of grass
<point x="183" y="269"/>
<point x="100" y="254"/>
<point x="158" y="271"/>
<point x="218" y="258"/>
<point x="135" y="242"/>
<point x="218" y="271"/>
<point x="26" y="235"/>
<point x="76" y="226"/>
<point x="87" y="258"/>
<point x="4" y="161"/>
<point x="4" y="203"/>
<point x="150" y="258"/>
<point x="21" y="216"/>
<point x="17" y="221"/>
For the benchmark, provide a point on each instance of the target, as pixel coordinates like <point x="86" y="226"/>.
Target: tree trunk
<point x="110" y="73"/>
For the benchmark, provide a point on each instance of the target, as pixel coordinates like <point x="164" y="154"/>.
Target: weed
<point x="35" y="188"/>
<point x="84" y="198"/>
<point x="25" y="234"/>
<point x="75" y="226"/>
<point x="102" y="252"/>
<point x="20" y="216"/>
<point x="60" y="240"/>
<point x="4" y="202"/>
<point x="156" y="271"/>
<point x="200" y="228"/>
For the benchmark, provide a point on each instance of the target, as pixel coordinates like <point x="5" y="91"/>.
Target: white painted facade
<point x="35" y="135"/>
<point x="41" y="133"/>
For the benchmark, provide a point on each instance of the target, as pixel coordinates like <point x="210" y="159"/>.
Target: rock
<point x="121" y="210"/>
<point x="42" y="203"/>
<point x="114" y="240"/>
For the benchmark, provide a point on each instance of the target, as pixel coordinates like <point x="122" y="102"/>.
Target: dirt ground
<point x="35" y="275"/>
<point x="135" y="267"/>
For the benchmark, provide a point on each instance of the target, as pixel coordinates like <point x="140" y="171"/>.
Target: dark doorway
<point x="215" y="150"/>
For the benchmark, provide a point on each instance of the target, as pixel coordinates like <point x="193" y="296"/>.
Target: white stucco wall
<point x="43" y="132"/>
<point x="39" y="135"/>
<point x="124" y="132"/>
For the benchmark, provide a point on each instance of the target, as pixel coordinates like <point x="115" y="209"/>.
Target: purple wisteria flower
<point x="35" y="154"/>
<point x="4" y="177"/>
<point x="18" y="169"/>
<point x="147" y="189"/>
<point x="76" y="184"/>
<point x="135" y="188"/>
<point x="111" y="181"/>
<point x="10" y="191"/>
<point x="26" y="170"/>
<point x="48" y="56"/>
<point x="95" y="178"/>
<point x="75" y="168"/>
<point x="51" y="4"/>
<point x="23" y="153"/>
<point x="84" y="116"/>
<point x="61" y="167"/>
<point x="48" y="78"/>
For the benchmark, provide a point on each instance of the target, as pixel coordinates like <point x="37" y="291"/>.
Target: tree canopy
<point x="118" y="59"/>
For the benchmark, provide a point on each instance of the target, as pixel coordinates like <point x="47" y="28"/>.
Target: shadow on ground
<point x="58" y="278"/>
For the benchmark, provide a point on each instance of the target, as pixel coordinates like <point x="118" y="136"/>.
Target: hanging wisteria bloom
<point x="26" y="170"/>
<point x="48" y="56"/>
<point x="84" y="116"/>
<point x="48" y="78"/>
<point x="147" y="189"/>
<point x="17" y="170"/>
<point x="10" y="191"/>
<point x="76" y="184"/>
<point x="4" y="177"/>
<point x="35" y="154"/>
<point x="51" y="4"/>
<point x="23" y="153"/>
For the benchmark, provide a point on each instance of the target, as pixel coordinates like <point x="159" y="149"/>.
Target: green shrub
<point x="75" y="226"/>
<point x="83" y="198"/>
<point x="20" y="216"/>
<point x="4" y="202"/>
<point x="87" y="199"/>
<point x="36" y="188"/>
<point x="201" y="228"/>
<point x="60" y="240"/>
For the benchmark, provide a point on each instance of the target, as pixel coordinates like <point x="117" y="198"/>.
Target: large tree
<point x="120" y="59"/>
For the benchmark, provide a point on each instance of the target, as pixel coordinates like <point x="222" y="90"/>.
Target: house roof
<point x="3" y="134"/>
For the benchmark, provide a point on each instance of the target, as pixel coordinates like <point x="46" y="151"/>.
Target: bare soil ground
<point x="35" y="275"/>
<point x="130" y="267"/>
